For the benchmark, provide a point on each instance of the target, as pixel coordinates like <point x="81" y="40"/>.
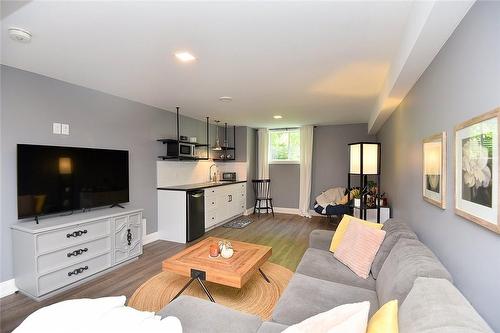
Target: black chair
<point x="262" y="190"/>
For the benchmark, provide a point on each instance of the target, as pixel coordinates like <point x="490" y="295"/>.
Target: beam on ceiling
<point x="430" y="24"/>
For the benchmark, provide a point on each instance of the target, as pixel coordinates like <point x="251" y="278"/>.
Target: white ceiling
<point x="312" y="62"/>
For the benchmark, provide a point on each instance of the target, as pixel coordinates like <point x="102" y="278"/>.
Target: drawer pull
<point x="129" y="237"/>
<point x="78" y="271"/>
<point x="77" y="252"/>
<point x="76" y="233"/>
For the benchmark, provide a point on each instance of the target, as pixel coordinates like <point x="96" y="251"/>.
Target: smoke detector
<point x="225" y="99"/>
<point x="20" y="35"/>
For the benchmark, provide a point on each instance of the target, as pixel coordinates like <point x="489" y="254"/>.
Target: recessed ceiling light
<point x="225" y="99"/>
<point x="184" y="56"/>
<point x="20" y="35"/>
<point x="277" y="117"/>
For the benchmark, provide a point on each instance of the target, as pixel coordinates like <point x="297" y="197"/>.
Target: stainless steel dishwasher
<point x="195" y="214"/>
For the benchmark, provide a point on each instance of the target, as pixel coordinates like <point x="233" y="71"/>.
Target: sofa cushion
<point x="306" y="296"/>
<point x="323" y="265"/>
<point x="271" y="327"/>
<point x="197" y="315"/>
<point x="358" y="248"/>
<point x="394" y="230"/>
<point x="342" y="228"/>
<point x="320" y="239"/>
<point x="408" y="259"/>
<point x="435" y="305"/>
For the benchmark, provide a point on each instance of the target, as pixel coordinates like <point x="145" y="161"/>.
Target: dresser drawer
<point x="135" y="218"/>
<point x="65" y="276"/>
<point x="77" y="234"/>
<point x="71" y="255"/>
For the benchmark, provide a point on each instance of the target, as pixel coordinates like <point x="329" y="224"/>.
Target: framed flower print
<point x="434" y="170"/>
<point x="477" y="170"/>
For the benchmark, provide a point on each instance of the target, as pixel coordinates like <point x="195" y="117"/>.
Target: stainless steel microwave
<point x="229" y="176"/>
<point x="180" y="149"/>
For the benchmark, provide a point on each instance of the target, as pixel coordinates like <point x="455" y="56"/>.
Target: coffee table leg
<point x="264" y="276"/>
<point x="202" y="286"/>
<point x="182" y="290"/>
<point x="205" y="289"/>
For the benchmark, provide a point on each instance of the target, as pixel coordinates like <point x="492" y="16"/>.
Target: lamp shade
<point x="65" y="166"/>
<point x="368" y="155"/>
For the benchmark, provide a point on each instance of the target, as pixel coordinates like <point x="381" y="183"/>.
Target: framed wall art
<point x="434" y="170"/>
<point x="477" y="171"/>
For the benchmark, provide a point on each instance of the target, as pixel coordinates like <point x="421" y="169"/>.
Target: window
<point x="284" y="146"/>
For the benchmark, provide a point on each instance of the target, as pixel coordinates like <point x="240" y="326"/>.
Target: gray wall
<point x="31" y="102"/>
<point x="329" y="168"/>
<point x="285" y="185"/>
<point x="463" y="81"/>
<point x="331" y="155"/>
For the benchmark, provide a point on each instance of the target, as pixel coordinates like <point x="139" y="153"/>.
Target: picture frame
<point x="477" y="170"/>
<point x="434" y="170"/>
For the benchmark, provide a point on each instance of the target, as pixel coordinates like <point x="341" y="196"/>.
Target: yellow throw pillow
<point x="341" y="229"/>
<point x="385" y="320"/>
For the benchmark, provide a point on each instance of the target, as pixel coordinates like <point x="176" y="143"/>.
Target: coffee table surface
<point x="233" y="272"/>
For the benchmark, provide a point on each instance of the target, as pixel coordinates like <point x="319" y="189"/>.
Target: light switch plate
<point x="56" y="128"/>
<point x="65" y="129"/>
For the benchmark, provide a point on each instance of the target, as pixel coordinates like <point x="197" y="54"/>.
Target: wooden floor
<point x="288" y="235"/>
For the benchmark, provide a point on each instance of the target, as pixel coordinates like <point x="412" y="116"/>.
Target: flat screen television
<point x="52" y="179"/>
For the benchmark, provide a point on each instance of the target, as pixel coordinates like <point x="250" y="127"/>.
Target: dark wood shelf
<point x="180" y="158"/>
<point x="187" y="142"/>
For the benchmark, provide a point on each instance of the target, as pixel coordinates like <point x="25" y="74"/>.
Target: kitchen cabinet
<point x="224" y="203"/>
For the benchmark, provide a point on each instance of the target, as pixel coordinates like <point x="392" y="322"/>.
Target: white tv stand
<point x="64" y="251"/>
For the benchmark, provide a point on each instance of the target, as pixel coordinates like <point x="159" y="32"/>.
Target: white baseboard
<point x="284" y="210"/>
<point x="7" y="288"/>
<point x="149" y="238"/>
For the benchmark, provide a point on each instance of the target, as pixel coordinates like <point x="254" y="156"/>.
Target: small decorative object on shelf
<point x="356" y="193"/>
<point x="226" y="249"/>
<point x="214" y="250"/>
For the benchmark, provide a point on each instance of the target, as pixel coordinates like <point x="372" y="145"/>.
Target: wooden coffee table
<point x="196" y="263"/>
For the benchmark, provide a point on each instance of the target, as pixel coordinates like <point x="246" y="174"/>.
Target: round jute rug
<point x="256" y="297"/>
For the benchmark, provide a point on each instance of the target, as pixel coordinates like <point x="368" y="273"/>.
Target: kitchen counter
<point x="199" y="186"/>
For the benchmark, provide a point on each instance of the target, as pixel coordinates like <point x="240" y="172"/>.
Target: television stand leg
<point x="116" y="205"/>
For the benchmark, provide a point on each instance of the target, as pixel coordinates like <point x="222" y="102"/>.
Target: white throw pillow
<point x="347" y="318"/>
<point x="107" y="314"/>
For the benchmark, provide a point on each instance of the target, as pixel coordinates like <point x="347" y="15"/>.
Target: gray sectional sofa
<point x="404" y="269"/>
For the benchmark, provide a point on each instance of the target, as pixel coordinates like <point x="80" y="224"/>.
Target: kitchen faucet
<point x="214" y="179"/>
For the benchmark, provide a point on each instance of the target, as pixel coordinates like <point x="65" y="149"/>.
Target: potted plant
<point x="356" y="193"/>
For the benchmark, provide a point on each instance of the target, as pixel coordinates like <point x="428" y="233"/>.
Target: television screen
<point x="53" y="179"/>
